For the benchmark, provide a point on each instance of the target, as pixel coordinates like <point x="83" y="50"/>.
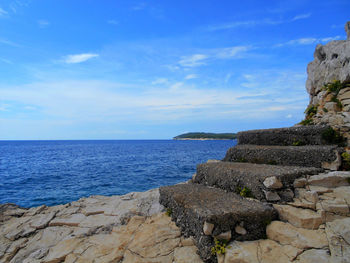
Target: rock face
<point x="331" y="62"/>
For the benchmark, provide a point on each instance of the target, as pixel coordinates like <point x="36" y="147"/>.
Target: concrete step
<point x="292" y="136"/>
<point x="320" y="156"/>
<point x="210" y="213"/>
<point x="261" y="181"/>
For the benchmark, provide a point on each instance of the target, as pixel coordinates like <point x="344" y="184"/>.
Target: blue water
<point x="33" y="173"/>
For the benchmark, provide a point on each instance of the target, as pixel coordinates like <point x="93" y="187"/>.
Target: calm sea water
<point x="33" y="173"/>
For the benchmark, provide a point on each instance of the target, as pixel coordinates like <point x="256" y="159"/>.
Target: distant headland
<point x="206" y="136"/>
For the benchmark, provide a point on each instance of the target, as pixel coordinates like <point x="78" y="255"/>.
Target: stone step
<point x="321" y="156"/>
<point x="208" y="213"/>
<point x="262" y="181"/>
<point x="297" y="136"/>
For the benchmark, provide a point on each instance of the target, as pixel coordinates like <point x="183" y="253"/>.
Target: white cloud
<point x="3" y="12"/>
<point x="6" y="61"/>
<point x="193" y="61"/>
<point x="231" y="52"/>
<point x="252" y="23"/>
<point x="43" y="23"/>
<point x="191" y="76"/>
<point x="289" y="116"/>
<point x="301" y="16"/>
<point x="113" y="22"/>
<point x="9" y="43"/>
<point x="160" y="81"/>
<point x="307" y="41"/>
<point x="4" y="107"/>
<point x="78" y="58"/>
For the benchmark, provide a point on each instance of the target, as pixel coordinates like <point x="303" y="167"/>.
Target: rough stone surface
<point x="306" y="156"/>
<point x="304" y="135"/>
<point x="193" y="204"/>
<point x="287" y="234"/>
<point x="331" y="62"/>
<point x="298" y="217"/>
<point x="272" y="182"/>
<point x="338" y="234"/>
<point x="233" y="175"/>
<point x="330" y="180"/>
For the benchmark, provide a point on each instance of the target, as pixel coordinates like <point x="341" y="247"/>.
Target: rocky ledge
<point x="135" y="228"/>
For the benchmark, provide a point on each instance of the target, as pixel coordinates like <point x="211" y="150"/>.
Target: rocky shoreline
<point x="136" y="228"/>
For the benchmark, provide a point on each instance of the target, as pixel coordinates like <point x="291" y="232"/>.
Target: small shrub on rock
<point x="220" y="247"/>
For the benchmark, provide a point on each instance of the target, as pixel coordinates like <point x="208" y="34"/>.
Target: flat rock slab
<point x="193" y="205"/>
<point x="326" y="156"/>
<point x="231" y="176"/>
<point x="302" y="135"/>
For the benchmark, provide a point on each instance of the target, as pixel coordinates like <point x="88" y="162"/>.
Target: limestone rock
<point x="59" y="252"/>
<point x="338" y="234"/>
<point x="240" y="230"/>
<point x="330" y="180"/>
<point x="272" y="196"/>
<point x="186" y="255"/>
<point x="208" y="228"/>
<point x="286" y="234"/>
<point x="314" y="255"/>
<point x="224" y="236"/>
<point x="299" y="217"/>
<point x="266" y="251"/>
<point x="157" y="239"/>
<point x="272" y="182"/>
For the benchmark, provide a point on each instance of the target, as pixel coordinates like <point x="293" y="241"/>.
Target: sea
<point x="34" y="173"/>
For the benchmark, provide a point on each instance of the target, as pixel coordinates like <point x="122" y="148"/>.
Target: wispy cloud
<point x="193" y="60"/>
<point x="78" y="58"/>
<point x="3" y="13"/>
<point x="139" y="6"/>
<point x="212" y="54"/>
<point x="301" y="16"/>
<point x="113" y="22"/>
<point x="307" y="41"/>
<point x="6" y="61"/>
<point x="191" y="76"/>
<point x="42" y="23"/>
<point x="231" y="52"/>
<point x="160" y="81"/>
<point x="9" y="43"/>
<point x="252" y="23"/>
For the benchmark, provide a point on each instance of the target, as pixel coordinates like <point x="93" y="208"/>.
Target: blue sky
<point x="152" y="69"/>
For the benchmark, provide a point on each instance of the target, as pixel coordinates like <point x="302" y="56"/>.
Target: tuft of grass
<point x="169" y="212"/>
<point x="334" y="87"/>
<point x="346" y="163"/>
<point x="332" y="136"/>
<point x="311" y="110"/>
<point x="298" y="143"/>
<point x="337" y="101"/>
<point x="220" y="247"/>
<point x="307" y="122"/>
<point x="244" y="192"/>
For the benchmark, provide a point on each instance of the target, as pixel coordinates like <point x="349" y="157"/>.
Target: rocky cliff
<point x="328" y="85"/>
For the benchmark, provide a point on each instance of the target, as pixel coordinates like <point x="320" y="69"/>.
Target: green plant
<point x="336" y="100"/>
<point x="307" y="122"/>
<point x="334" y="87"/>
<point x="169" y="212"/>
<point x="244" y="192"/>
<point x="325" y="110"/>
<point x="241" y="160"/>
<point x="346" y="163"/>
<point x="332" y="136"/>
<point x="220" y="247"/>
<point x="298" y="143"/>
<point x="272" y="162"/>
<point x="311" y="110"/>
